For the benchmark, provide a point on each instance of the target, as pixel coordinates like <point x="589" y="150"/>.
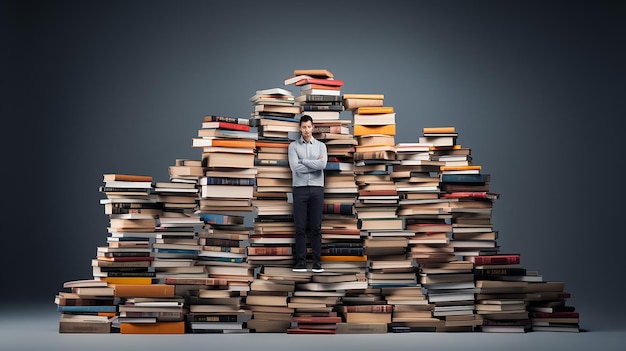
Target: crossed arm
<point x="305" y="165"/>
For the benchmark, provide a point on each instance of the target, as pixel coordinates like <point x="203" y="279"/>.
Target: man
<point x="307" y="160"/>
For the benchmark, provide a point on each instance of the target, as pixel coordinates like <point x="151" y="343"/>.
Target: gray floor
<point x="36" y="329"/>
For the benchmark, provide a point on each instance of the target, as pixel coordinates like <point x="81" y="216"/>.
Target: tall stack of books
<point x="133" y="209"/>
<point x="272" y="239"/>
<point x="176" y="244"/>
<point x="86" y="306"/>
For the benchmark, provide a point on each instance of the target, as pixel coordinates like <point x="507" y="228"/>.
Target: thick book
<point x="86" y="308"/>
<point x="143" y="290"/>
<point x="215" y="118"/>
<point x="271" y="162"/>
<point x="370" y="110"/>
<point x="225" y="125"/>
<point x="360" y="130"/>
<point x="438" y="130"/>
<point x="87" y="326"/>
<point x="126" y="177"/>
<point x="361" y="328"/>
<point x="314" y="72"/>
<point x="320" y="81"/>
<point x="495" y="259"/>
<point x="463" y="178"/>
<point x="153" y="328"/>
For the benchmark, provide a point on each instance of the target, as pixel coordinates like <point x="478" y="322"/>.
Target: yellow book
<point x="127" y="280"/>
<point x="359" y="130"/>
<point x="365" y="110"/>
<point x="438" y="130"/>
<point x="460" y="168"/>
<point x="364" y="96"/>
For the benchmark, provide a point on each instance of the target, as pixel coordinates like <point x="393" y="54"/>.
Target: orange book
<point x="460" y="168"/>
<point x="264" y="143"/>
<point x="346" y="258"/>
<point x="153" y="328"/>
<point x="107" y="314"/>
<point x="313" y="73"/>
<point x="143" y="290"/>
<point x="438" y="130"/>
<point x="370" y="110"/>
<point x="360" y="130"/>
<point x="127" y="177"/>
<point x="127" y="280"/>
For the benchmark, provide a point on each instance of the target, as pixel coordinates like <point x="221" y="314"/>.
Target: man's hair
<point x="306" y="118"/>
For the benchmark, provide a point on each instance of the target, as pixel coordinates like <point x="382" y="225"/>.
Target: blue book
<point x="87" y="309"/>
<point x="463" y="178"/>
<point x="226" y="181"/>
<point x="177" y="251"/>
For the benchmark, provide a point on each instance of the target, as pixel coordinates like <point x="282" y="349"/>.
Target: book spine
<point x="269" y="251"/>
<point x="322" y="108"/>
<point x="496" y="272"/>
<point x="210" y="318"/>
<point x="368" y="308"/>
<point x="220" y="242"/>
<point x="270" y="162"/>
<point x="226" y="181"/>
<point x="234" y="126"/>
<point x="343" y="251"/>
<point x="502" y="259"/>
<point x="237" y="120"/>
<point x="86" y="308"/>
<point x="463" y="178"/>
<point x="338" y="208"/>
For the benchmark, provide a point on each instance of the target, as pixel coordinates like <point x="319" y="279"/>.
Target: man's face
<point x="306" y="128"/>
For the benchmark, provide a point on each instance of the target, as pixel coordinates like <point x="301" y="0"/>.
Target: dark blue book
<point x="177" y="251"/>
<point x="462" y="178"/>
<point x="87" y="309"/>
<point x="341" y="251"/>
<point x="226" y="181"/>
<point x="216" y="218"/>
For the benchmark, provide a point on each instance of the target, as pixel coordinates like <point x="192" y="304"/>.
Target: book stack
<point x="548" y="307"/>
<point x="216" y="306"/>
<point x="150" y="308"/>
<point x="320" y="94"/>
<point x="411" y="309"/>
<point x="500" y="303"/>
<point x="274" y="112"/>
<point x="137" y="311"/>
<point x="228" y="152"/>
<point x="268" y="300"/>
<point x="451" y="289"/>
<point x="314" y="325"/>
<point x="86" y="306"/>
<point x="223" y="248"/>
<point x="133" y="210"/>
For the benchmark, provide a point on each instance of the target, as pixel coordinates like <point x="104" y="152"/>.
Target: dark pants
<point x="308" y="202"/>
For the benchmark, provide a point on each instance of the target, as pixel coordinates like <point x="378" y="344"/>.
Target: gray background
<point x="534" y="88"/>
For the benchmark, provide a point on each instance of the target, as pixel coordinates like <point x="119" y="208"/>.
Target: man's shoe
<point x="299" y="267"/>
<point x="317" y="268"/>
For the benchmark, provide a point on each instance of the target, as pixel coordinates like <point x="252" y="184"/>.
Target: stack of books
<point x="86" y="306"/>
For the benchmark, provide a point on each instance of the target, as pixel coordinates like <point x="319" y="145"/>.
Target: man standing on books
<point x="307" y="160"/>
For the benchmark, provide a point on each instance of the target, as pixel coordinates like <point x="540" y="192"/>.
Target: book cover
<point x="320" y="81"/>
<point x="143" y="290"/>
<point x="153" y="328"/>
<point x="369" y="110"/>
<point x="360" y="130"/>
<point x="225" y="125"/>
<point x="215" y="118"/>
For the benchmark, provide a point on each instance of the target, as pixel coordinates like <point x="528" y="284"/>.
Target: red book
<point x="225" y="125"/>
<point x="476" y="194"/>
<point x="317" y="319"/>
<point x="495" y="259"/>
<point x="332" y="82"/>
